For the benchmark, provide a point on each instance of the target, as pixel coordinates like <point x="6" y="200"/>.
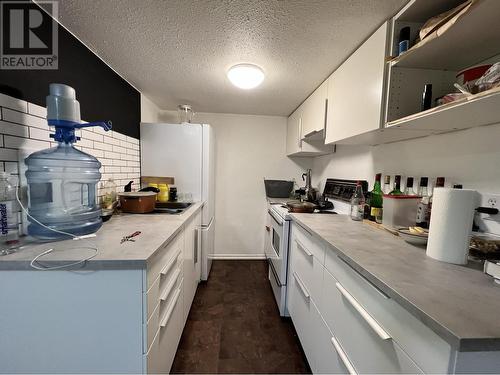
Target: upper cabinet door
<point x="293" y="135"/>
<point x="314" y="116"/>
<point x="356" y="90"/>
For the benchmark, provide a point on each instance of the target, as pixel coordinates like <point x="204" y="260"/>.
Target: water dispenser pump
<point x="62" y="180"/>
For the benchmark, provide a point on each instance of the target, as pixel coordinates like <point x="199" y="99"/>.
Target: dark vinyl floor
<point x="234" y="326"/>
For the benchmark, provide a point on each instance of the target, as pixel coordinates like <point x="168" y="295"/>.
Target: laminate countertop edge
<point x="157" y="231"/>
<point x="456" y="341"/>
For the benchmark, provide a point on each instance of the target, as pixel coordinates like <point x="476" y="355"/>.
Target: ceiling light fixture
<point x="245" y="76"/>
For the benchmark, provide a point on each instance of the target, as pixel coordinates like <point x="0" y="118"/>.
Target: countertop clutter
<point x="156" y="231"/>
<point x="460" y="304"/>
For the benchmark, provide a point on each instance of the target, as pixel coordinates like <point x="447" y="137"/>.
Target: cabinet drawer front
<point x="426" y="348"/>
<point x="308" y="242"/>
<point x="299" y="306"/>
<point x="153" y="356"/>
<point x="307" y="267"/>
<point x="158" y="289"/>
<point x="171" y="327"/>
<point x="160" y="259"/>
<point x="152" y="327"/>
<point x="367" y="349"/>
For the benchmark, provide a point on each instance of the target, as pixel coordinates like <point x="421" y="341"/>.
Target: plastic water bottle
<point x="358" y="203"/>
<point x="62" y="180"/>
<point x="9" y="218"/>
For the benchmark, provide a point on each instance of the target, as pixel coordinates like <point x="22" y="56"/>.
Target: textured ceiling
<point x="178" y="51"/>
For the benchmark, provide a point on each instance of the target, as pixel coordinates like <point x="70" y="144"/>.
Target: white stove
<point x="338" y="192"/>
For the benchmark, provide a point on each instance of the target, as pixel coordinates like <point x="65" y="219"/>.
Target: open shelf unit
<point x="473" y="38"/>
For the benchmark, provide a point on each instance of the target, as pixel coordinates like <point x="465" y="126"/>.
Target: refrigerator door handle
<point x="206" y="227"/>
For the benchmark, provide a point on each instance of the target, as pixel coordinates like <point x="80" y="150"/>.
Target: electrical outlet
<point x="489" y="223"/>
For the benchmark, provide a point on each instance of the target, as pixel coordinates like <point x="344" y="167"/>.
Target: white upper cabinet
<point x="295" y="145"/>
<point x="356" y="90"/>
<point x="314" y="113"/>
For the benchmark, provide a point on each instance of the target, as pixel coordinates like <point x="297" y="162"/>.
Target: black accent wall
<point x="102" y="93"/>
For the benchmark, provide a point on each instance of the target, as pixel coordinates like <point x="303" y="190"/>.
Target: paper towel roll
<point x="451" y="224"/>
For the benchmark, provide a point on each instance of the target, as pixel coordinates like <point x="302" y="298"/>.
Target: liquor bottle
<point x="439" y="184"/>
<point x="387" y="184"/>
<point x="423" y="205"/>
<point x="357" y="203"/>
<point x="409" y="187"/>
<point x="368" y="198"/>
<point x="397" y="186"/>
<point x="427" y="97"/>
<point x="376" y="200"/>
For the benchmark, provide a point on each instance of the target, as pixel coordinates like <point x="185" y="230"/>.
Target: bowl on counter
<point x="418" y="239"/>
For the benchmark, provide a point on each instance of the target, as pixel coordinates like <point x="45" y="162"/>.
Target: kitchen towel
<point x="451" y="224"/>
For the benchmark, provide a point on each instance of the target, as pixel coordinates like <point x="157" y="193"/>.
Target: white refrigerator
<point x="187" y="153"/>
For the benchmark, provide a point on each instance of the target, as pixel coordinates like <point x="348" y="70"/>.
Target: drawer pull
<point x="170" y="264"/>
<point x="345" y="360"/>
<point x="366" y="316"/>
<point x="171" y="308"/>
<point x="302" y="247"/>
<point x="303" y="289"/>
<point x="170" y="285"/>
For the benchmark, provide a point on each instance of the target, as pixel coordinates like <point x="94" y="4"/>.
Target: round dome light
<point x="245" y="76"/>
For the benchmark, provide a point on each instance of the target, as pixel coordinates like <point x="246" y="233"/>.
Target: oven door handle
<point x="274" y="218"/>
<point x="273" y="271"/>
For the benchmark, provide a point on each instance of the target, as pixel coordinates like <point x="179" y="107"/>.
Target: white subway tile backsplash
<point x="111" y="155"/>
<point x="87" y="134"/>
<point x="13" y="129"/>
<point x="119" y="162"/>
<point x="23" y="125"/>
<point x="13" y="103"/>
<point x="24" y="119"/>
<point x="8" y="154"/>
<point x="40" y="134"/>
<point x="119" y="149"/>
<point x="37" y="110"/>
<point x="103" y="146"/>
<point x="19" y="143"/>
<point x="119" y="136"/>
<point x="11" y="167"/>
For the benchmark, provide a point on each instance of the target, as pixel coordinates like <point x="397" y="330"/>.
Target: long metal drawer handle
<point x="170" y="285"/>
<point x="302" y="247"/>
<point x="345" y="360"/>
<point x="301" y="286"/>
<point x="171" y="308"/>
<point x="366" y="316"/>
<point x="168" y="267"/>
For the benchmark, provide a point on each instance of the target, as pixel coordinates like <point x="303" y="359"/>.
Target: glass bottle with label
<point x="9" y="224"/>
<point x="358" y="203"/>
<point x="423" y="205"/>
<point x="397" y="186"/>
<point x="387" y="184"/>
<point x="409" y="187"/>
<point x="439" y="184"/>
<point x="376" y="200"/>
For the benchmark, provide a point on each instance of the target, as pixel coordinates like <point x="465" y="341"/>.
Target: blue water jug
<point x="62" y="180"/>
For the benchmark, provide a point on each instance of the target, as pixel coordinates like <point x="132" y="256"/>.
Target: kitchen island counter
<point x="157" y="230"/>
<point x="460" y="304"/>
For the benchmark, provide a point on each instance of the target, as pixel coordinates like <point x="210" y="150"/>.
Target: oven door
<point x="276" y="253"/>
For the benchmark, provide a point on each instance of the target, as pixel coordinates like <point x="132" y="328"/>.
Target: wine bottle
<point x="423" y="205"/>
<point x="387" y="184"/>
<point x="409" y="187"/>
<point x="376" y="200"/>
<point x="358" y="203"/>
<point x="397" y="186"/>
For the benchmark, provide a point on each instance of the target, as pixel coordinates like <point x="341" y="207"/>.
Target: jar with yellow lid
<point x="163" y="194"/>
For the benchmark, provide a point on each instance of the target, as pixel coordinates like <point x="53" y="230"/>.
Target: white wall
<point x="149" y="111"/>
<point x="248" y="148"/>
<point x="468" y="157"/>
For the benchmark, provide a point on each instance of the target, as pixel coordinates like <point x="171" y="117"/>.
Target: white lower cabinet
<point x="337" y="333"/>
